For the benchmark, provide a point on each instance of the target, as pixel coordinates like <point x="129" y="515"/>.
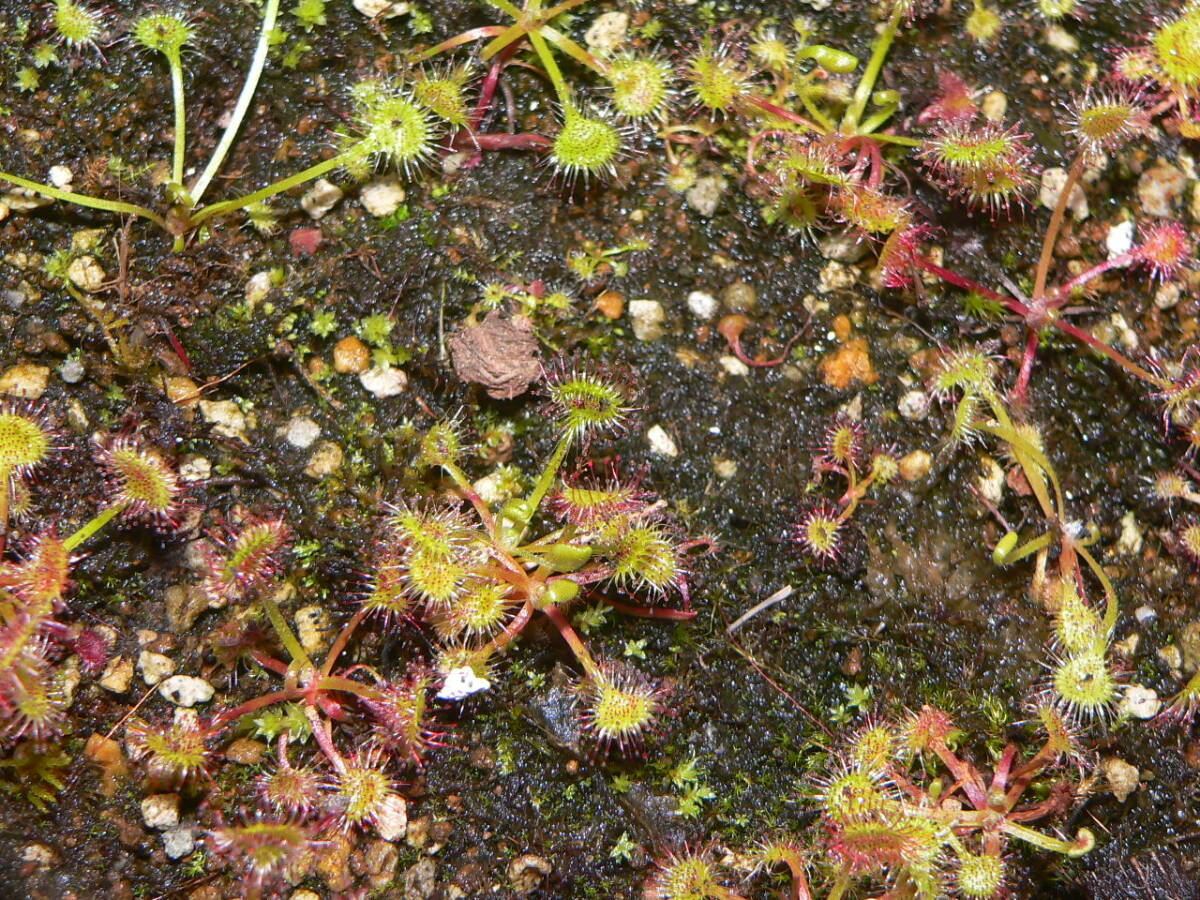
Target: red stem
<point x="964" y="773"/>
<point x="220" y="720"/>
<point x="650" y="612"/>
<point x="510" y="632"/>
<point x="574" y="641"/>
<point x="780" y="112"/>
<point x="269" y="662"/>
<point x="524" y="141"/>
<point x="1061" y="294"/>
<point x="1022" y="385"/>
<point x="735" y="344"/>
<point x="968" y="284"/>
<point x="342" y="639"/>
<point x="1022" y="310"/>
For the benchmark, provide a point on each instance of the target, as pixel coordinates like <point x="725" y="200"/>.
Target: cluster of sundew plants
<point x="814" y="140"/>
<point x="388" y="126"/>
<point x="470" y="576"/>
<point x="821" y="531"/>
<point x="903" y="815"/>
<point x="888" y="814"/>
<point x="991" y="168"/>
<point x="1103" y="120"/>
<point x="43" y="653"/>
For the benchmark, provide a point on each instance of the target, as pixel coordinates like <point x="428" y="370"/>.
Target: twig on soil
<point x="782" y="594"/>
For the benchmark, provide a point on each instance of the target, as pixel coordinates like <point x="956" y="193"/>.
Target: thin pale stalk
<point x="1110" y="593"/>
<point x="1084" y="841"/>
<point x="506" y="38"/>
<point x="548" y="474"/>
<point x="243" y="102"/>
<point x="506" y="7"/>
<point x="88" y="529"/>
<point x="116" y="206"/>
<point x="898" y="140"/>
<point x="324" y="739"/>
<point x="290" y="643"/>
<point x="176" y="66"/>
<point x="866" y="84"/>
<point x="551" y="66"/>
<point x="225" y="206"/>
<point x="348" y="686"/>
<point x="780" y="113"/>
<point x="1056" y="220"/>
<point x="573" y="50"/>
<point x="458" y="40"/>
<point x="468" y="490"/>
<point x="342" y="639"/>
<point x="839" y="887"/>
<point x="653" y="612"/>
<point x="508" y="635"/>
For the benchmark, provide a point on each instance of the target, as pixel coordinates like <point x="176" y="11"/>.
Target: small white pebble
<point x="914" y="405"/>
<point x="25" y="381"/>
<point x="1054" y="180"/>
<point x="1145" y="614"/>
<point x="302" y="432"/>
<point x="991" y="479"/>
<point x="257" y="287"/>
<point x="661" y="442"/>
<point x="86" y="273"/>
<point x="607" y="33"/>
<point x="226" y="417"/>
<point x="647" y="317"/>
<point x="194" y="469"/>
<point x="320" y="198"/>
<point x="1058" y="38"/>
<point x="462" y="683"/>
<point x="117" y="675"/>
<point x="1122" y="778"/>
<point x="391" y="822"/>
<point x="1167" y="295"/>
<point x="1127" y="336"/>
<point x="384" y="381"/>
<point x="382" y="197"/>
<point x="178" y="843"/>
<point x="161" y="811"/>
<point x="382" y="9"/>
<point x="327" y="457"/>
<point x="185" y="690"/>
<point x="725" y="468"/>
<point x="734" y="366"/>
<point x="71" y="371"/>
<point x="1119" y="239"/>
<point x="154" y="666"/>
<point x="1130" y="541"/>
<point x="705" y="195"/>
<point x="61" y="176"/>
<point x="1140" y="702"/>
<point x="994" y="106"/>
<point x="702" y="304"/>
